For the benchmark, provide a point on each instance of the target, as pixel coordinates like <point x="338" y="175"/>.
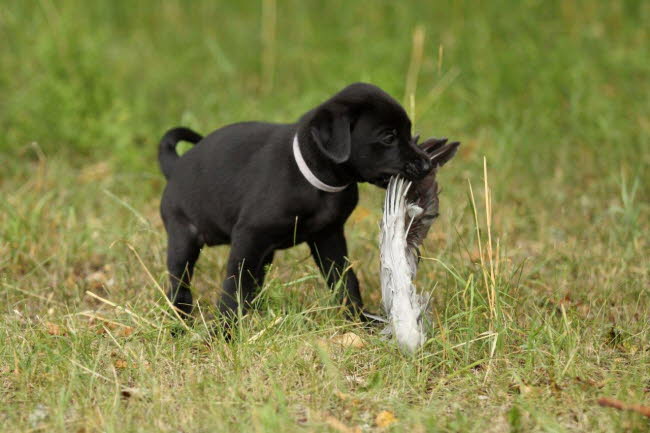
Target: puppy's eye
<point x="389" y="138"/>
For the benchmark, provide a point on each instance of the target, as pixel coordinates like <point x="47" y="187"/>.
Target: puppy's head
<point x="366" y="132"/>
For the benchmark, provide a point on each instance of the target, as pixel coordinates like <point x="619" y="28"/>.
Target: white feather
<point x="406" y="309"/>
<point x="409" y="211"/>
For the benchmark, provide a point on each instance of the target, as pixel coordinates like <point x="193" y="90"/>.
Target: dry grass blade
<point x="123" y="309"/>
<point x="269" y="13"/>
<point x="263" y="331"/>
<point x="102" y="319"/>
<point x="160" y="289"/>
<point x="417" y="53"/>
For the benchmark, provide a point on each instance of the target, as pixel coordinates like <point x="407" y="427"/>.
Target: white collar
<point x="308" y="174"/>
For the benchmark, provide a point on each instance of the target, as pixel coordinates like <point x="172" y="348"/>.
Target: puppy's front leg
<point x="329" y="250"/>
<point x="246" y="269"/>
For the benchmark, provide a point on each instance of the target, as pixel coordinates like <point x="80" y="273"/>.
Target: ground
<point x="540" y="299"/>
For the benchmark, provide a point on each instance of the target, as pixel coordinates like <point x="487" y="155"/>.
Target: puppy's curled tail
<point x="167" y="154"/>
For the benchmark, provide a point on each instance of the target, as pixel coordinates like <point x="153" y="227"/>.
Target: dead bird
<point x="409" y="211"/>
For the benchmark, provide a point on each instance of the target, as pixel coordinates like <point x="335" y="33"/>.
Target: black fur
<point x="240" y="185"/>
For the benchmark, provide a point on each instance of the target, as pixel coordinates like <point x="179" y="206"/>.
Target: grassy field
<point x="541" y="299"/>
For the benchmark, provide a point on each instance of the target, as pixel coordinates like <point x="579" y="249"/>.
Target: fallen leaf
<point x="54" y="329"/>
<point x="385" y="418"/>
<point x="339" y="426"/>
<point x="347" y="398"/>
<point x="120" y="363"/>
<point x="132" y="393"/>
<point x="126" y="331"/>
<point x="521" y="388"/>
<point x="617" y="404"/>
<point x="100" y="279"/>
<point x="97" y="277"/>
<point x="349" y="339"/>
<point x="341" y="395"/>
<point x="590" y="382"/>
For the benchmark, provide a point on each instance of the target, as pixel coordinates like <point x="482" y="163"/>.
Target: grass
<point x="531" y="326"/>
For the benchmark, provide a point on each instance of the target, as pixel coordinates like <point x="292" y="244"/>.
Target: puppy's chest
<point x="324" y="213"/>
<point x="324" y="216"/>
<point x="306" y="216"/>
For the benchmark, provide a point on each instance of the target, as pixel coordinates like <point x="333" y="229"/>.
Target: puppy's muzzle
<point x="417" y="169"/>
<point x="419" y="164"/>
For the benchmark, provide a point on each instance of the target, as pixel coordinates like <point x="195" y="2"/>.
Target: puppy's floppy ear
<point x="330" y="130"/>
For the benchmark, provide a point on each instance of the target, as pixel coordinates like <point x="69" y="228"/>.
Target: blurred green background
<point x="536" y="86"/>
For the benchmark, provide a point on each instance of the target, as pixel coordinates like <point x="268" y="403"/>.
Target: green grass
<point x="553" y="94"/>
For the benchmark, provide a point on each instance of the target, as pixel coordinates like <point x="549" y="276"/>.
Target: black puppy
<point x="262" y="187"/>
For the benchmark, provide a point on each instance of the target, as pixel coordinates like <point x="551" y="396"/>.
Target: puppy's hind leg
<point x="183" y="251"/>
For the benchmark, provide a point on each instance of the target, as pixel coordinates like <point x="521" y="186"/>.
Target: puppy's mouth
<point x="415" y="171"/>
<point x="409" y="172"/>
<point x="382" y="180"/>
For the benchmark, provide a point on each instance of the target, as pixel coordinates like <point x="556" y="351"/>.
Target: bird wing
<point x="393" y="239"/>
<point x="400" y="299"/>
